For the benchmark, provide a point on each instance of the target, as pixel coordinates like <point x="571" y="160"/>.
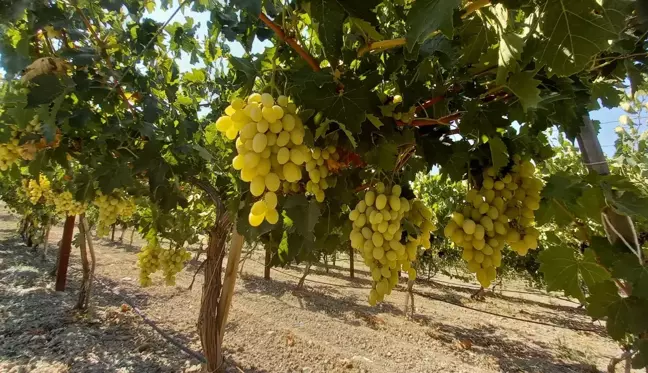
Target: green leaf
<point x="499" y="152"/>
<point x="427" y="16"/>
<point x="329" y="17"/>
<point x="252" y="6"/>
<point x="563" y="271"/>
<point x="624" y="315"/>
<point x="367" y="29"/>
<point x="304" y="215"/>
<point x="629" y="203"/>
<point x="195" y="76"/>
<point x="629" y="268"/>
<point x="203" y="153"/>
<point x="525" y="88"/>
<point x="640" y="360"/>
<point x="44" y="89"/>
<point x="375" y="120"/>
<point x="577" y="30"/>
<point x="325" y="125"/>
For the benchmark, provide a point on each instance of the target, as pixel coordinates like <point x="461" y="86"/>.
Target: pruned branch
<point x="290" y="41"/>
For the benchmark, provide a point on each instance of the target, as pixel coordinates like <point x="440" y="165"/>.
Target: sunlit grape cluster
<point x="271" y="153"/>
<point x="111" y="207"/>
<point x="319" y="177"/>
<point x="36" y="189"/>
<point x="500" y="212"/>
<point x="66" y="205"/>
<point x="153" y="257"/>
<point x="9" y="153"/>
<point x="378" y="234"/>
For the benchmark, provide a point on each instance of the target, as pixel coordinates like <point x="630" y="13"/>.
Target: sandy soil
<point x="325" y="327"/>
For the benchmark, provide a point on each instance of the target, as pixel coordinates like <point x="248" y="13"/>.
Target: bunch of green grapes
<point x="319" y="176"/>
<point x="494" y="215"/>
<point x="34" y="126"/>
<point x="378" y="235"/>
<point x="66" y="205"/>
<point x="111" y="207"/>
<point x="271" y="153"/>
<point x="423" y="218"/>
<point x="9" y="152"/>
<point x="172" y="262"/>
<point x="522" y="205"/>
<point x="35" y="189"/>
<point x="148" y="260"/>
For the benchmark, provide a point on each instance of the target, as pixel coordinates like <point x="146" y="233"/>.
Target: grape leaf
<point x="499" y="152"/>
<point x="624" y="314"/>
<point x="304" y="215"/>
<point x="629" y="268"/>
<point x="576" y="31"/>
<point x="563" y="271"/>
<point x="329" y="17"/>
<point x="252" y="6"/>
<point x="476" y="37"/>
<point x="525" y="88"/>
<point x="375" y="120"/>
<point x="640" y="360"/>
<point x="44" y="89"/>
<point x="367" y="29"/>
<point x="427" y="16"/>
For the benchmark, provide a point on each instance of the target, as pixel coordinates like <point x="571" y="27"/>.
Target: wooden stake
<point x="64" y="254"/>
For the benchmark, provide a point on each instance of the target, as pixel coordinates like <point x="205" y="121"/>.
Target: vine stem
<point x="394" y="43"/>
<point x="102" y="45"/>
<point x="430" y="121"/>
<point x="290" y="41"/>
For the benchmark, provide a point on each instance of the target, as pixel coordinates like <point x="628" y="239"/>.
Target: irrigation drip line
<point x="425" y="295"/>
<point x="196" y="355"/>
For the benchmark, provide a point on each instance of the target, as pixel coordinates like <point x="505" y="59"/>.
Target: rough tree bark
<point x="48" y="228"/>
<point x="131" y="236"/>
<point x="85" y="265"/>
<point x="121" y="236"/>
<point x="112" y="236"/>
<point x="64" y="254"/>
<point x="409" y="299"/>
<point x="268" y="258"/>
<point x="351" y="269"/>
<point x="300" y="284"/>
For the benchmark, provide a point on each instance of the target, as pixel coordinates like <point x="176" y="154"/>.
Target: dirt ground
<point x="275" y="328"/>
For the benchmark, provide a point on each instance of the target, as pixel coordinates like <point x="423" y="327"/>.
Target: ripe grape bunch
<point x="66" y="205"/>
<point x="111" y="207"/>
<point x="271" y="153"/>
<point x="10" y="152"/>
<point x="500" y="212"/>
<point x="378" y="235"/>
<point x="36" y="189"/>
<point x="153" y="257"/>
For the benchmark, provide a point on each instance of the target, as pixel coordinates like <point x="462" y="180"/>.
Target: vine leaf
<point x="641" y="359"/>
<point x="329" y="17"/>
<point x="499" y="152"/>
<point x="375" y="120"/>
<point x="563" y="271"/>
<point x="576" y="31"/>
<point x="326" y="124"/>
<point x="629" y="268"/>
<point x="525" y="88"/>
<point x="623" y="314"/>
<point x="366" y="29"/>
<point x="427" y="16"/>
<point x="252" y="6"/>
<point x="304" y="215"/>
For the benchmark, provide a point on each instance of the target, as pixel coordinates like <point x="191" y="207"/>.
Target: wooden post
<point x="618" y="227"/>
<point x="268" y="258"/>
<point x="64" y="254"/>
<point x="351" y="269"/>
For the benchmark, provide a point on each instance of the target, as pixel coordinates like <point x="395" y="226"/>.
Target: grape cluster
<point x="500" y="212"/>
<point x="35" y="189"/>
<point x="271" y="153"/>
<point x="111" y="207"/>
<point x="378" y="234"/>
<point x="319" y="176"/>
<point x="9" y="153"/>
<point x="66" y="205"/>
<point x="153" y="257"/>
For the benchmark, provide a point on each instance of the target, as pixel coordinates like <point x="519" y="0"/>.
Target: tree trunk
<point x="85" y="280"/>
<point x="131" y="236"/>
<point x="351" y="269"/>
<point x="334" y="258"/>
<point x="268" y="258"/>
<point x="409" y="299"/>
<point x="303" y="278"/>
<point x="112" y="236"/>
<point x="46" y="238"/>
<point x="87" y="285"/>
<point x="121" y="236"/>
<point x="64" y="253"/>
<point x="326" y="263"/>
